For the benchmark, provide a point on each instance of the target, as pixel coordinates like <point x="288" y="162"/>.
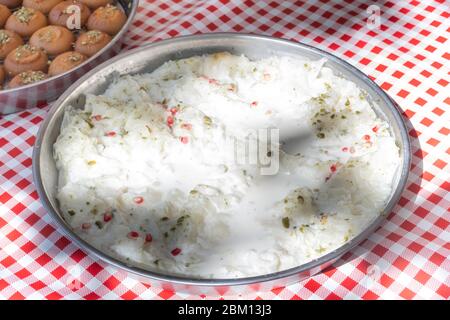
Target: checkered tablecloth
<point x="407" y="55"/>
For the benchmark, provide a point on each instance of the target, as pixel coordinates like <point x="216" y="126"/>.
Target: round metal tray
<point x="148" y="58"/>
<point x="39" y="93"/>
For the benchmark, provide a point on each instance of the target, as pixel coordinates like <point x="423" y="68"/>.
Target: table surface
<point x="407" y="55"/>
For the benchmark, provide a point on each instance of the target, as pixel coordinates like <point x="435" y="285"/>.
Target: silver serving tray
<point x="39" y="93"/>
<point x="146" y="59"/>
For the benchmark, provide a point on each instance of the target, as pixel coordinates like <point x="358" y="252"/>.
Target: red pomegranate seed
<point x="186" y="126"/>
<point x="85" y="226"/>
<point x="133" y="235"/>
<point x="176" y="251"/>
<point x="138" y="200"/>
<point x="107" y="217"/>
<point x="366" y="137"/>
<point x="110" y="134"/>
<point x="213" y="81"/>
<point x="375" y="129"/>
<point x="266" y="76"/>
<point x="184" y="140"/>
<point x="173" y="111"/>
<point x="148" y="237"/>
<point x="333" y="168"/>
<point x="97" y="117"/>
<point x="254" y="104"/>
<point x="344" y="149"/>
<point x="170" y="121"/>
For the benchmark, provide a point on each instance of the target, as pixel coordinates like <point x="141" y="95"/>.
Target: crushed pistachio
<point x="91" y="162"/>
<point x="164" y="218"/>
<point x="286" y="223"/>
<point x="321" y="135"/>
<point x="24" y="51"/>
<point x="31" y="76"/>
<point x="71" y="212"/>
<point x="4" y="37"/>
<point x="99" y="224"/>
<point x="207" y="121"/>
<point x="24" y="15"/>
<point x="92" y="37"/>
<point x="301" y="200"/>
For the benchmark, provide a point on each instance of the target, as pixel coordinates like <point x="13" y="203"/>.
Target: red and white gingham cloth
<point x="408" y="257"/>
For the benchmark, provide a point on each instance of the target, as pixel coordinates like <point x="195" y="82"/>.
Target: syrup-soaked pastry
<point x="60" y="14"/>
<point x="26" y="21"/>
<point x="26" y="58"/>
<point x="4" y="15"/>
<point x="53" y="39"/>
<point x="91" y="42"/>
<point x="9" y="40"/>
<point x="109" y="19"/>
<point x="43" y="6"/>
<point x="94" y="4"/>
<point x="27" y="77"/>
<point x="11" y="3"/>
<point x="65" y="61"/>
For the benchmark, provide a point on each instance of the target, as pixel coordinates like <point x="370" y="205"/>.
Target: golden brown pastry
<point x="9" y="40"/>
<point x="26" y="21"/>
<point x="27" y="77"/>
<point x="43" y="6"/>
<point x="60" y="14"/>
<point x="109" y="19"/>
<point x="53" y="39"/>
<point x="91" y="42"/>
<point x="65" y="61"/>
<point x="4" y="15"/>
<point x="94" y="4"/>
<point x="26" y="58"/>
<point x="11" y="3"/>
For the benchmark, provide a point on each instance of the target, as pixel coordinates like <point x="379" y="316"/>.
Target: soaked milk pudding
<point x="157" y="171"/>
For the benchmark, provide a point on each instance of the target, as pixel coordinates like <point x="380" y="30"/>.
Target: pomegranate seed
<point x="107" y="217"/>
<point x="366" y="137"/>
<point x="138" y="200"/>
<point x="333" y="168"/>
<point x="85" y="226"/>
<point x="170" y="121"/>
<point x="213" y="81"/>
<point x="375" y="129"/>
<point x="148" y="237"/>
<point x="176" y="251"/>
<point x="186" y="126"/>
<point x="254" y="104"/>
<point x="110" y="134"/>
<point x="133" y="235"/>
<point x="266" y="76"/>
<point x="97" y="117"/>
<point x="184" y="140"/>
<point x="173" y="111"/>
<point x="344" y="149"/>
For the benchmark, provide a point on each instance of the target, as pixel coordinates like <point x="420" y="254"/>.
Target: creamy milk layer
<point x="148" y="175"/>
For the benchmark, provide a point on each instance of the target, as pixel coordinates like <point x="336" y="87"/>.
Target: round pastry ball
<point x="43" y="6"/>
<point x="11" y="3"/>
<point x="53" y="39"/>
<point x="109" y="19"/>
<point x="91" y="42"/>
<point x="26" y="58"/>
<point x="65" y="62"/>
<point x="27" y="77"/>
<point x="60" y="14"/>
<point x="9" y="40"/>
<point x="26" y="21"/>
<point x="94" y="4"/>
<point x="2" y="75"/>
<point x="4" y="15"/>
